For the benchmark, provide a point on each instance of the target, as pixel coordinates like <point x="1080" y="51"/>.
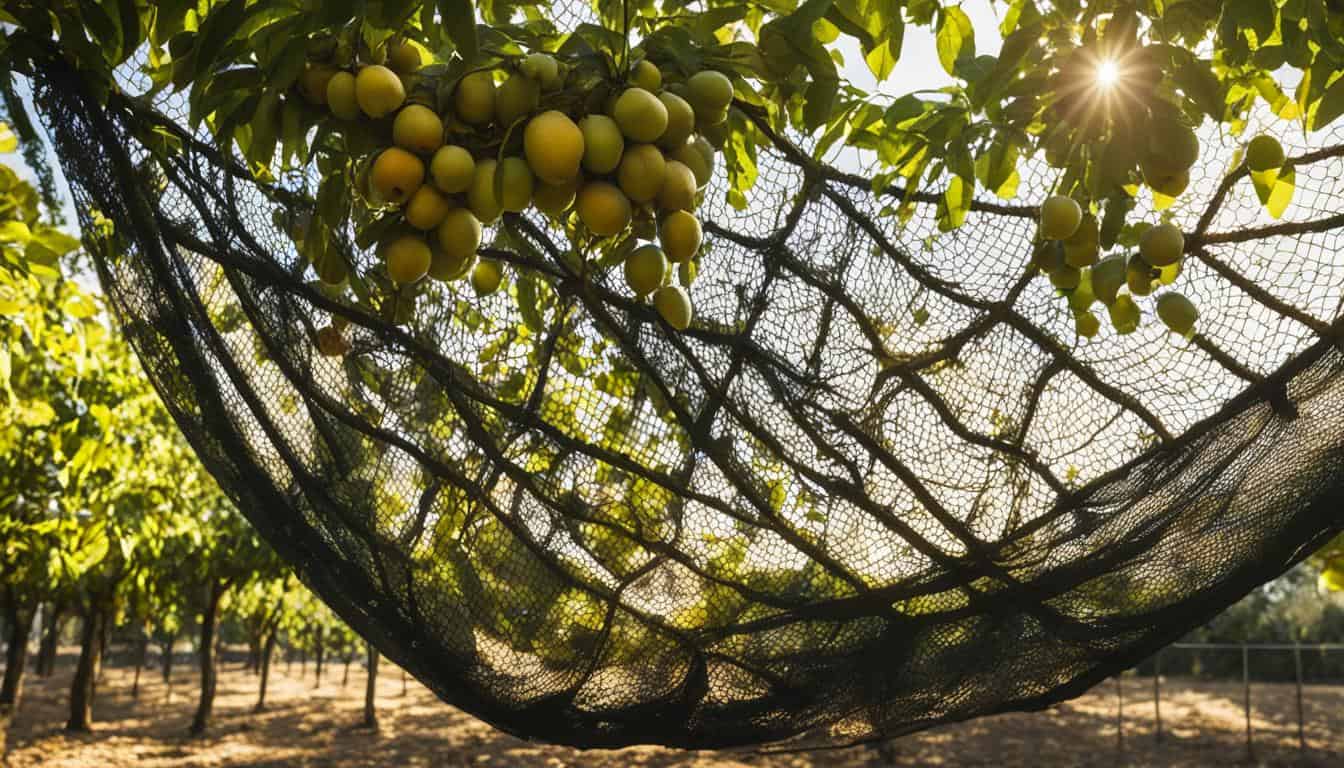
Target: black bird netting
<point x="878" y="485"/>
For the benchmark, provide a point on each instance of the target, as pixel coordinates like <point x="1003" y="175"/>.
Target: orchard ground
<point x="307" y="726"/>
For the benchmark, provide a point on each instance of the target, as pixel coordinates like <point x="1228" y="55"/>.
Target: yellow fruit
<point x="674" y="306"/>
<point x="697" y="155"/>
<point x="396" y="175"/>
<point x="403" y="56"/>
<point x="1162" y="245"/>
<point x="1138" y="276"/>
<point x="417" y="129"/>
<point x="486" y="277"/>
<point x="646" y="75"/>
<point x="407" y="259"/>
<point x="680" y="121"/>
<point x="1168" y="274"/>
<point x="1124" y="314"/>
<point x="554" y="198"/>
<point x="446" y="268"/>
<point x="313" y="84"/>
<point x="678" y="190"/>
<point x="516" y="98"/>
<point x="379" y="91"/>
<point x="1107" y="277"/>
<point x="686" y="274"/>
<point x="603" y="208"/>
<point x="515" y="184"/>
<point x="1171" y="185"/>
<point x="1086" y="324"/>
<point x="680" y="235"/>
<point x="641" y="172"/>
<point x="341" y="96"/>
<point x="709" y="93"/>
<point x="1177" y="313"/>
<point x="481" y="196"/>
<point x="602" y="143"/>
<point x="427" y="208"/>
<point x="1083" y="247"/>
<point x="1263" y="153"/>
<point x="641" y="116"/>
<point x="645" y="269"/>
<point x="474" y="98"/>
<point x="554" y="146"/>
<point x="452" y="169"/>
<point x="458" y="235"/>
<point x="1060" y="217"/>
<point x="543" y="69"/>
<point x="716" y="133"/>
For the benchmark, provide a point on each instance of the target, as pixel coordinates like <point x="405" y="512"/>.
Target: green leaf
<point x="956" y="202"/>
<point x="1330" y="107"/>
<point x="955" y="39"/>
<point x="1275" y="189"/>
<point x="459" y="18"/>
<point x="8" y="141"/>
<point x="882" y="58"/>
<point x="1197" y="80"/>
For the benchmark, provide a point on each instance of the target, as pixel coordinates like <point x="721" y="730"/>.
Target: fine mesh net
<point x="596" y="531"/>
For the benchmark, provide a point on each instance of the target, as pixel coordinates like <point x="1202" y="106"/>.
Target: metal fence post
<point x="1297" y="669"/>
<point x="1246" y="685"/>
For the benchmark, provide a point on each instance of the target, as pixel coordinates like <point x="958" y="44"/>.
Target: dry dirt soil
<point x="310" y="725"/>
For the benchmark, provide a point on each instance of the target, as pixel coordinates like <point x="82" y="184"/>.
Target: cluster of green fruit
<point x="1069" y="251"/>
<point x="644" y="160"/>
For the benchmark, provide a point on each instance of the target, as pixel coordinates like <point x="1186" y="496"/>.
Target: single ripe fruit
<point x="417" y="129"/>
<point x="641" y="116"/>
<point x="603" y="143"/>
<point x="407" y="259"/>
<point x="646" y="75"/>
<point x="680" y="235"/>
<point x="396" y="175"/>
<point x="1065" y="277"/>
<point x="313" y="84"/>
<point x="379" y="91"/>
<point x="1086" y="324"/>
<point x="710" y="93"/>
<point x="642" y="172"/>
<point x="458" y="236"/>
<point x="645" y="269"/>
<point x="1082" y="248"/>
<point x="474" y="98"/>
<point x="1107" y="277"/>
<point x="543" y="69"/>
<point x="331" y="343"/>
<point x="445" y="267"/>
<point x="1177" y="313"/>
<point x="680" y="121"/>
<point x="1172" y="148"/>
<point x="486" y="277"/>
<point x="554" y="146"/>
<point x="697" y="155"/>
<point x="515" y="184"/>
<point x="1139" y="276"/>
<point x="1060" y="217"/>
<point x="1165" y="181"/>
<point x="452" y="169"/>
<point x="404" y="57"/>
<point x="481" y="196"/>
<point x="427" y="208"/>
<point x="674" y="306"/>
<point x="1162" y="245"/>
<point x="1264" y="153"/>
<point x="553" y="199"/>
<point x="517" y="97"/>
<point x="1124" y="314"/>
<point x="678" y="191"/>
<point x="603" y="208"/>
<point x="341" y="96"/>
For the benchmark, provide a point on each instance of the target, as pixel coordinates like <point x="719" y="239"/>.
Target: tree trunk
<point x="20" y="624"/>
<point x="320" y="653"/>
<point x="168" y="658"/>
<point x="371" y="689"/>
<point x="207" y="656"/>
<point x="141" y="654"/>
<point x="403" y="682"/>
<point x="51" y="640"/>
<point x="303" y="662"/>
<point x="105" y="627"/>
<point x="253" y="663"/>
<point x="86" y="671"/>
<point x="345" y="679"/>
<point x="267" y="649"/>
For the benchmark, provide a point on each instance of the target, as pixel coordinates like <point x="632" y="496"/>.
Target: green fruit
<point x="515" y="184"/>
<point x="452" y="169"/>
<point x="1169" y="184"/>
<point x="1107" y="277"/>
<point x="674" y="306"/>
<point x="1264" y="153"/>
<point x="680" y="121"/>
<point x="1177" y="313"/>
<point x="516" y="98"/>
<point x="642" y="172"/>
<point x="379" y="91"/>
<point x="458" y="236"/>
<point x="1065" y="278"/>
<point x="680" y="235"/>
<point x="715" y="133"/>
<point x="554" y="199"/>
<point x="481" y="196"/>
<point x="407" y="259"/>
<point x="603" y="208"/>
<point x="603" y="144"/>
<point x="446" y="268"/>
<point x="1124" y="314"/>
<point x="697" y="155"/>
<point x="1081" y="297"/>
<point x="554" y="147"/>
<point x="1048" y="256"/>
<point x="646" y="76"/>
<point x="1162" y="245"/>
<point x="1086" y="324"/>
<point x="313" y="84"/>
<point x="341" y="96"/>
<point x="645" y="269"/>
<point x="1060" y="217"/>
<point x="1171" y="149"/>
<point x="417" y="129"/>
<point x="486" y="277"/>
<point x="1082" y="248"/>
<point x="709" y="92"/>
<point x="641" y="116"/>
<point x="403" y="56"/>
<point x="1139" y="276"/>
<point x="678" y="190"/>
<point x="474" y="98"/>
<point x="543" y="69"/>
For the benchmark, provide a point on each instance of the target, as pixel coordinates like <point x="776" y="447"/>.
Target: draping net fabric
<point x="601" y="532"/>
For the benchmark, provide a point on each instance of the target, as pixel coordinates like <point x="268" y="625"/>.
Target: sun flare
<point x="1108" y="73"/>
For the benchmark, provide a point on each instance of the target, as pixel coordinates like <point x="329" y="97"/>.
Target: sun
<point x="1108" y="73"/>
